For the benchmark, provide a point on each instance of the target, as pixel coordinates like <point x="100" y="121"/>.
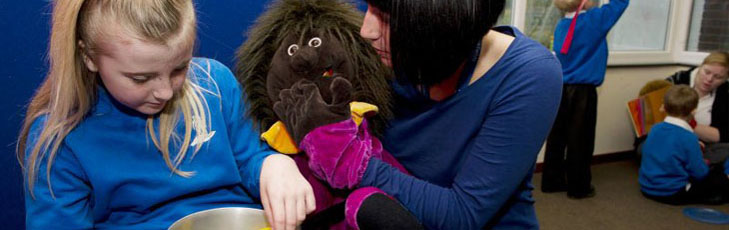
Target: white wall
<point x="614" y="132"/>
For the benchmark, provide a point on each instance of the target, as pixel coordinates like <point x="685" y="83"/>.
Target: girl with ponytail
<point x="128" y="130"/>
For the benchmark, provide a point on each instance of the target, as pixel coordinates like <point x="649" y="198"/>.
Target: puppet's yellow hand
<point x="361" y="110"/>
<point x="279" y="139"/>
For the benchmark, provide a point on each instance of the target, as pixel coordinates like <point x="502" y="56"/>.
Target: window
<point x="541" y="18"/>
<point x="708" y="30"/>
<point x="650" y="31"/>
<point x="505" y="18"/>
<point x="643" y="27"/>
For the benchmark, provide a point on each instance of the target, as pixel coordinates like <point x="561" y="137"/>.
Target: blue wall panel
<point x="23" y="36"/>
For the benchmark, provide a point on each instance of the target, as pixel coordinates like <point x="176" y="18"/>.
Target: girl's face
<point x="139" y="74"/>
<point x="710" y="77"/>
<point x="377" y="29"/>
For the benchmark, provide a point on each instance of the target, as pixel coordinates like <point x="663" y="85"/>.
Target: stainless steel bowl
<point x="223" y="218"/>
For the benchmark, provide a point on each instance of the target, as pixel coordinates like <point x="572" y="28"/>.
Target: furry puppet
<point x="305" y="66"/>
<point x="296" y="22"/>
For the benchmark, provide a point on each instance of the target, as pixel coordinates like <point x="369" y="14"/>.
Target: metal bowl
<point x="223" y="218"/>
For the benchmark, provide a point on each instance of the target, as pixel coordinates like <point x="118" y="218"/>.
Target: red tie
<point x="571" y="32"/>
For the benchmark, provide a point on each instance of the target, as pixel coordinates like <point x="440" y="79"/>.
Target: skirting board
<point x="602" y="158"/>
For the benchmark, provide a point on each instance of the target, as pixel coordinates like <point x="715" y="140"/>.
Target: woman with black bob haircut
<point x="431" y="39"/>
<point x="472" y="106"/>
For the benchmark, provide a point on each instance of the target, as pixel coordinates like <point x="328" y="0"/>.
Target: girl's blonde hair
<point x="69" y="90"/>
<point x="567" y="5"/>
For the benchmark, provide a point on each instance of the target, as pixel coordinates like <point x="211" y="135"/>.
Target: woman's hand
<point x="286" y="196"/>
<point x="707" y="133"/>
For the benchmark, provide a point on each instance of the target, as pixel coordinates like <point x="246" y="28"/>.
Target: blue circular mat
<point x="706" y="215"/>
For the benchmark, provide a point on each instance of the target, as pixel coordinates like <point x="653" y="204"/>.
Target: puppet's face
<point x="315" y="57"/>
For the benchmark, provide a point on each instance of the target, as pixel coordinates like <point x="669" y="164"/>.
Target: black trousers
<point x="717" y="153"/>
<point x="713" y="189"/>
<point x="571" y="142"/>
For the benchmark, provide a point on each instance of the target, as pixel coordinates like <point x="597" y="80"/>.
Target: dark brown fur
<point x="339" y="19"/>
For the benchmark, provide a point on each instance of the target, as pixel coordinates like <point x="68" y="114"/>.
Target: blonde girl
<point x="128" y="130"/>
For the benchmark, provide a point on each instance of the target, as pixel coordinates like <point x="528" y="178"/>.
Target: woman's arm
<point x="720" y="113"/>
<point x="707" y="133"/>
<point x="501" y="159"/>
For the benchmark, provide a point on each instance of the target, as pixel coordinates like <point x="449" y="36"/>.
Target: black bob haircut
<point x="430" y="39"/>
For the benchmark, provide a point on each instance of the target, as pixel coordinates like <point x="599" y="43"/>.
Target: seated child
<point x="672" y="169"/>
<point x="129" y="131"/>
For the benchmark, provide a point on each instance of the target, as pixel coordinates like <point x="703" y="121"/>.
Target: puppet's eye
<point x="315" y="42"/>
<point x="292" y="49"/>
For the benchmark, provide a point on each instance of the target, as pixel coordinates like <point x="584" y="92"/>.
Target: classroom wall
<point x="614" y="133"/>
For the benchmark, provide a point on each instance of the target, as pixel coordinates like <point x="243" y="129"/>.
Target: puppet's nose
<point x="304" y="60"/>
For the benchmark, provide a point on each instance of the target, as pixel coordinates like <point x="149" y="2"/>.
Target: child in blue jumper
<point x="672" y="169"/>
<point x="581" y="47"/>
<point x="129" y="131"/>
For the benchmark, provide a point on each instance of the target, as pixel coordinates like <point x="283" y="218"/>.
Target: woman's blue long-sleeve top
<point x="472" y="155"/>
<point x="108" y="173"/>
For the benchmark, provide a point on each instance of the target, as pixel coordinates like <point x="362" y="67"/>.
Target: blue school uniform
<point x="586" y="60"/>
<point x="671" y="159"/>
<point x="108" y="174"/>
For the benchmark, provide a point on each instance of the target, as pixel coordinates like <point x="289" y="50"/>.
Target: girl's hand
<point x="286" y="196"/>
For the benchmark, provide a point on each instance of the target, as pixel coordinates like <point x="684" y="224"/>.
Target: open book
<point x="645" y="111"/>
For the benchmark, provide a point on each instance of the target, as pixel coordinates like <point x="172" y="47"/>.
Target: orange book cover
<point x="655" y="101"/>
<point x="634" y="111"/>
<point x="645" y="111"/>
